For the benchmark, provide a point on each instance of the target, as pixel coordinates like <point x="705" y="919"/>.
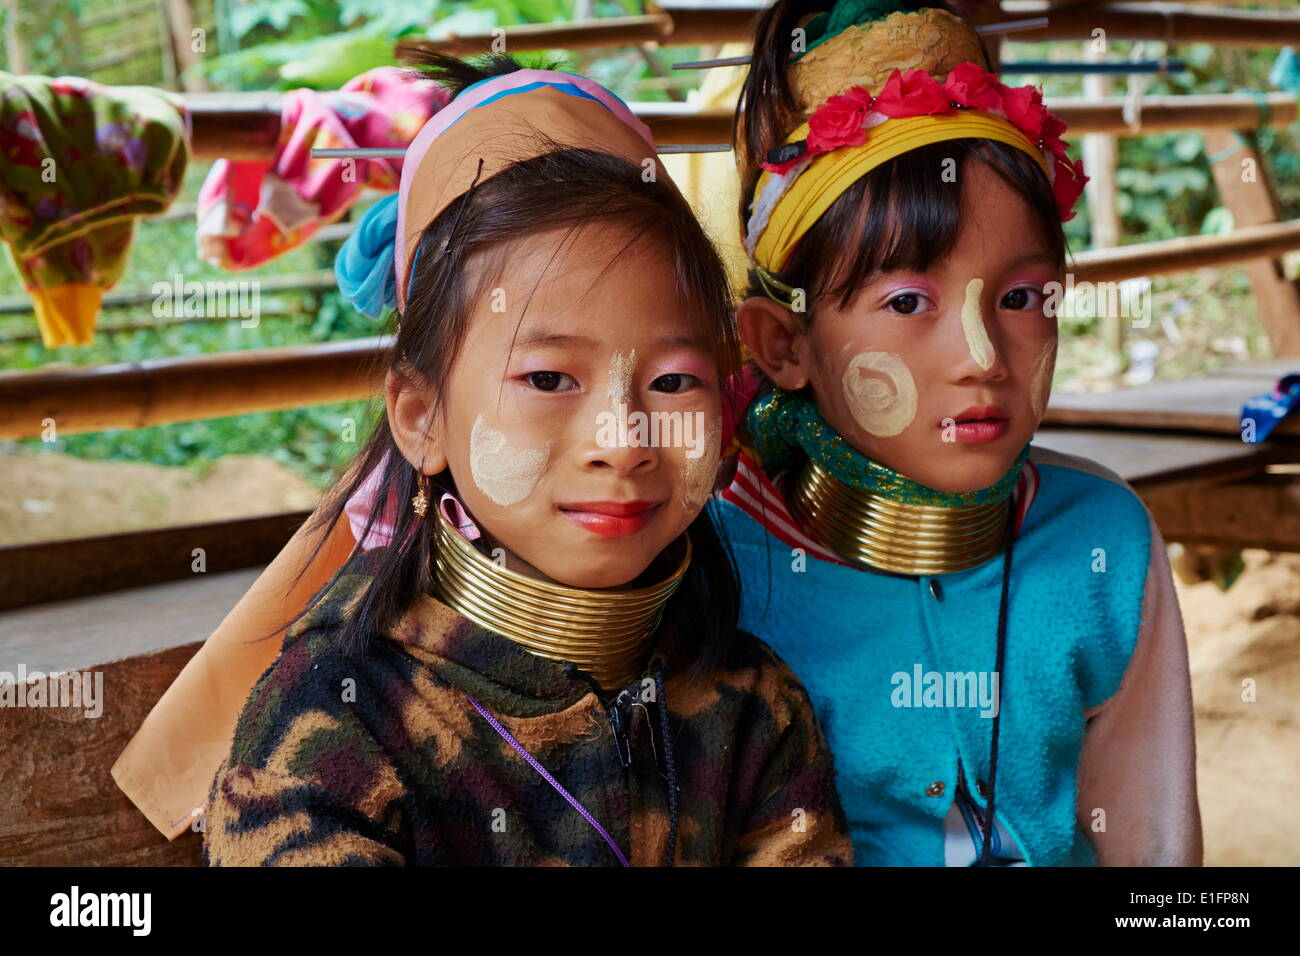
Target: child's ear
<point x="771" y="333"/>
<point x="416" y="429"/>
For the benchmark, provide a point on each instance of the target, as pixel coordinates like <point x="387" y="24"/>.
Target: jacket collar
<point x="498" y="672"/>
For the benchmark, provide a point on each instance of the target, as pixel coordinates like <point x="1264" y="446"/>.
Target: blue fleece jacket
<point x="862" y="642"/>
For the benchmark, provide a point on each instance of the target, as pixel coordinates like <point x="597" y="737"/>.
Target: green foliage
<point x="308" y="440"/>
<point x="1166" y="189"/>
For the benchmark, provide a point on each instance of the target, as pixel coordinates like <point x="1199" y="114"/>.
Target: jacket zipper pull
<point x="613" y="711"/>
<point x="618" y="724"/>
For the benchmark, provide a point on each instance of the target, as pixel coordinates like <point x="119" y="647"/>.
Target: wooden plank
<point x="1261" y="513"/>
<point x="1148" y="460"/>
<point x="1209" y="403"/>
<point x="1251" y="200"/>
<point x="89" y="631"/>
<point x="1267" y="371"/>
<point x="1163" y="114"/>
<point x="59" y="806"/>
<point x="59" y="570"/>
<point x="220" y="130"/>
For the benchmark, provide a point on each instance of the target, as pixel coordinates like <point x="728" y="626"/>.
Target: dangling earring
<point x="421" y="500"/>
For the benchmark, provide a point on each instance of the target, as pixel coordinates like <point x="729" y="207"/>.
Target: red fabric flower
<point x="838" y="121"/>
<point x="971" y="85"/>
<point x="1068" y="186"/>
<point x="914" y="93"/>
<point x="1024" y="107"/>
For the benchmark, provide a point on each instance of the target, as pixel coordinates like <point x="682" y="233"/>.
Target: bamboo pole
<point x="1266" y="241"/>
<point x="320" y="280"/>
<point x="1101" y="158"/>
<point x="693" y="24"/>
<point x="246" y="126"/>
<point x="579" y="34"/>
<point x="188" y="388"/>
<point x="1170" y="22"/>
<point x="164" y="391"/>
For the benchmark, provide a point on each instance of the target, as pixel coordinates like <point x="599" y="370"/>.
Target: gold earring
<point x="421" y="500"/>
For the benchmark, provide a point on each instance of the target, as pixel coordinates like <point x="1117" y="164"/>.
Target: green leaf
<point x="331" y="61"/>
<point x="275" y="13"/>
<point x="1217" y="221"/>
<point x="1188" y="146"/>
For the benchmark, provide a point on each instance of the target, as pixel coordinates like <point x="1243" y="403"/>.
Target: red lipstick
<point x="611" y="519"/>
<point x="981" y="423"/>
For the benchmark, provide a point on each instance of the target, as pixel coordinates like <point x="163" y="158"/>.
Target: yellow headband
<point x="830" y="174"/>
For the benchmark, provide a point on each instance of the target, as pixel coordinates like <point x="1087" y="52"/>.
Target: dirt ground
<point x="50" y="495"/>
<point x="1248" y="751"/>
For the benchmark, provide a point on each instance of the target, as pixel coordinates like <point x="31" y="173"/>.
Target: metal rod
<point x="358" y="153"/>
<point x="710" y="64"/>
<point x="1012" y="26"/>
<point x="1118" y="66"/>
<point x="701" y="148"/>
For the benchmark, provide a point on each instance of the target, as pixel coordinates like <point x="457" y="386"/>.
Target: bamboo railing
<point x="246" y="125"/>
<point x="690" y="24"/>
<point x="165" y="391"/>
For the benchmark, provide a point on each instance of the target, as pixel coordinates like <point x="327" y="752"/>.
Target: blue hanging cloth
<point x="1261" y="414"/>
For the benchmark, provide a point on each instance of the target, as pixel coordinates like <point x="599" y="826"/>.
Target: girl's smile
<point x="611" y="519"/>
<point x="979" y="424"/>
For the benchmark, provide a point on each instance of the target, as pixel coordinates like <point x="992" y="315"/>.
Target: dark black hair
<point x="564" y="186"/>
<point x="901" y="215"/>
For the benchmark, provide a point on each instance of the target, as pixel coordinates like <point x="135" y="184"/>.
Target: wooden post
<point x="15" y="53"/>
<point x="1100" y="160"/>
<point x="179" y="19"/>
<point x="1246" y="192"/>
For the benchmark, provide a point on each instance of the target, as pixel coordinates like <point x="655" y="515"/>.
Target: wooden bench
<point x="1209" y="403"/>
<point x="58" y="802"/>
<point x="1179" y="444"/>
<point x="71" y="607"/>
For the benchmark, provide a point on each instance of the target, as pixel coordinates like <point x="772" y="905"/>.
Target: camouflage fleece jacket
<point x="383" y="761"/>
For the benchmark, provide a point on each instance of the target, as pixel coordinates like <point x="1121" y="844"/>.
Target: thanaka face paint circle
<point x="506" y="475"/>
<point x="883" y="404"/>
<point x="1041" y="386"/>
<point x="701" y="472"/>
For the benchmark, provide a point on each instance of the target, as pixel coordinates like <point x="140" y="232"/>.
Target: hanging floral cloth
<point x="82" y="161"/>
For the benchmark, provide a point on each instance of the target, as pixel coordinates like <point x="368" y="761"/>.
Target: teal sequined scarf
<point x="786" y="429"/>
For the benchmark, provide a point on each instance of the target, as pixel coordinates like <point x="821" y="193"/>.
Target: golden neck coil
<point x="604" y="632"/>
<point x="872" y="531"/>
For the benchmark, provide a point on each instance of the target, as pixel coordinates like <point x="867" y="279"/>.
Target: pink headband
<point x="491" y="122"/>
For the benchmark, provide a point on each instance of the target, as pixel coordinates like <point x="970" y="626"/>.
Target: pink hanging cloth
<point x="252" y="211"/>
